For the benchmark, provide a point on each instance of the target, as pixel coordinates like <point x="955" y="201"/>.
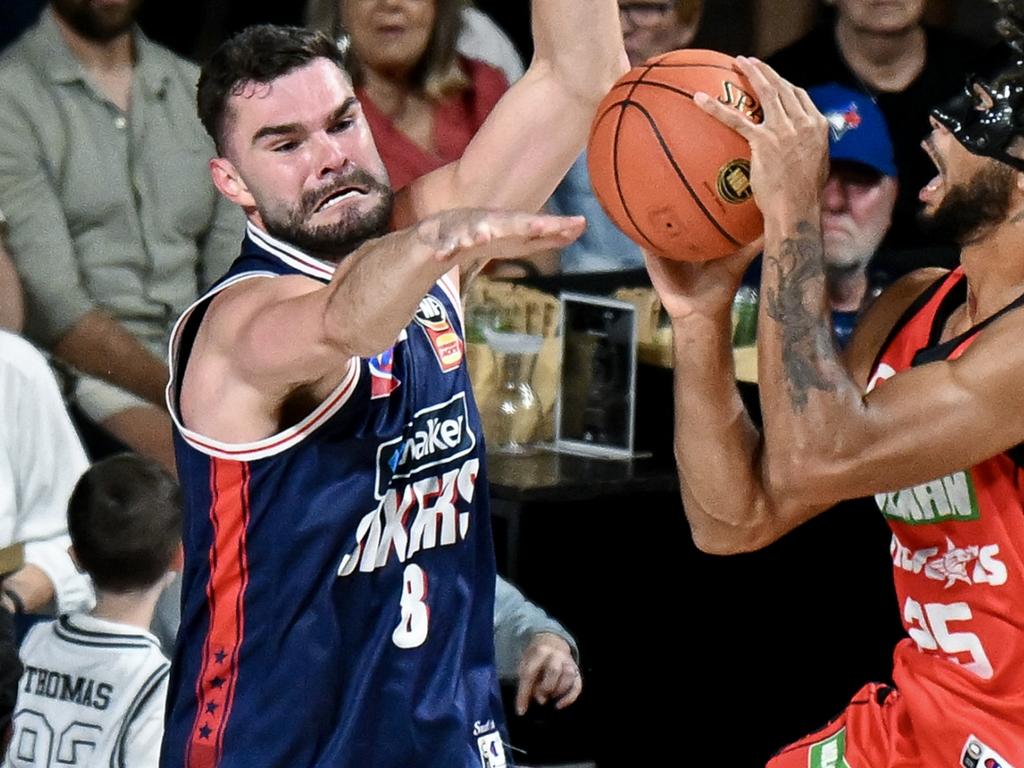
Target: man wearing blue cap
<point x="857" y="201"/>
<point x="856" y="204"/>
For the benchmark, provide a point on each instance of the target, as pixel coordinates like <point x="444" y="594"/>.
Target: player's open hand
<point x="473" y="235"/>
<point x="789" y="148"/>
<point x="548" y="672"/>
<point x="705" y="287"/>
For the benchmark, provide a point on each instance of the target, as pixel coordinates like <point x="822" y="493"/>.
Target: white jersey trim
<point x="289" y="254"/>
<point x="447" y="285"/>
<point x="268" y="446"/>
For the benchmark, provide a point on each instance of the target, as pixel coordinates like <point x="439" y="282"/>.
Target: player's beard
<point x="970" y="209"/>
<point x="97" y="23"/>
<point x="334" y="241"/>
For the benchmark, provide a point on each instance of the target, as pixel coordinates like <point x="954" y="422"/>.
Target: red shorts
<point x="875" y="731"/>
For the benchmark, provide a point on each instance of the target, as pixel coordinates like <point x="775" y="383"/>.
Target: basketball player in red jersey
<point x="924" y="412"/>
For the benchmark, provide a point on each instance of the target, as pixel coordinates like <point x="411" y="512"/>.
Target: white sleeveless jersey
<point x="92" y="694"/>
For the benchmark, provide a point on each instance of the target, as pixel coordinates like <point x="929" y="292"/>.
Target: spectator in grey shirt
<point x="114" y="223"/>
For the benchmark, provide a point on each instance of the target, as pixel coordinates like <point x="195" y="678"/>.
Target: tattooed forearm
<point x="796" y="306"/>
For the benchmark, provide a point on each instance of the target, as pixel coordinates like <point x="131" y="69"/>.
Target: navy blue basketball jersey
<point x="338" y="594"/>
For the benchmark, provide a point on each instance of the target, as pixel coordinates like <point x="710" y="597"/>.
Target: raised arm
<point x="824" y="439"/>
<point x="370" y="299"/>
<point x="539" y="127"/>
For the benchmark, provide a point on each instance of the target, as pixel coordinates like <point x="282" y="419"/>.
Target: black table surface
<point x="547" y="476"/>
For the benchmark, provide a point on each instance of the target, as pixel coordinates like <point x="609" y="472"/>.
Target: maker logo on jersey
<point x="436" y="435"/>
<point x="433" y="318"/>
<point x="382" y="380"/>
<point x="948" y="498"/>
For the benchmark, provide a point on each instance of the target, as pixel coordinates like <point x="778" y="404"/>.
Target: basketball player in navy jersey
<point x="924" y="412"/>
<point x="339" y="581"/>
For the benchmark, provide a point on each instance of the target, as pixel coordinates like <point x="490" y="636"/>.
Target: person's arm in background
<point x="44" y="463"/>
<point x="12" y="301"/>
<point x="534" y="649"/>
<point x="64" y="317"/>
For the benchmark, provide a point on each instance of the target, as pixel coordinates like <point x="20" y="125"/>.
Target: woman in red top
<point x="423" y="100"/>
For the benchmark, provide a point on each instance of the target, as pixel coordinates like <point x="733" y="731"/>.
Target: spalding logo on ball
<point x="673" y="178"/>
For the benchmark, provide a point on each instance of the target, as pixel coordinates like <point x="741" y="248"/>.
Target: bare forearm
<point x="32" y="586"/>
<point x="12" y="306"/>
<point x="805" y="389"/>
<point x="100" y="346"/>
<point x="377" y="290"/>
<point x="717" y="446"/>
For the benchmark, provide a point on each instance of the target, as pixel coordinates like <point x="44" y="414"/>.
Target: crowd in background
<point x="111" y="229"/>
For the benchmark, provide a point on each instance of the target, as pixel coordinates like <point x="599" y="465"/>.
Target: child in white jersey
<point x="94" y="685"/>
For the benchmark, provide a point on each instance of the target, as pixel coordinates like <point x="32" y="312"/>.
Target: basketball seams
<point x="615" y="163"/>
<point x="681" y="175"/>
<point x="677" y="78"/>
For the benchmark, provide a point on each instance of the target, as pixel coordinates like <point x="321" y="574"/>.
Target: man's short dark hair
<point x="257" y="54"/>
<point x="124" y="518"/>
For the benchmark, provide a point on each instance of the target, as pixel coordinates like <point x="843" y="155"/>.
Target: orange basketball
<point x="673" y="178"/>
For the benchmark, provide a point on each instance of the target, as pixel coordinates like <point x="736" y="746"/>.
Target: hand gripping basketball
<point x="673" y="178"/>
<point x="789" y="148"/>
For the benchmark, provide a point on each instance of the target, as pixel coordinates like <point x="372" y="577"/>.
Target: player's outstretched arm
<point x="371" y="298"/>
<point x="539" y="127"/>
<point x="824" y="438"/>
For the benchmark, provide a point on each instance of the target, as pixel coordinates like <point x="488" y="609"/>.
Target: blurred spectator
<point x="95" y="684"/>
<point x="12" y="301"/>
<point x="40" y="460"/>
<point x="649" y="28"/>
<point x="856" y="204"/>
<point x="422" y="99"/>
<point x="113" y="219"/>
<point x="885" y="49"/>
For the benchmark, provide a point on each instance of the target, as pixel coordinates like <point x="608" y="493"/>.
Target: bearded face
<point x="339" y="236"/>
<point x="98" y="20"/>
<point x="970" y="208"/>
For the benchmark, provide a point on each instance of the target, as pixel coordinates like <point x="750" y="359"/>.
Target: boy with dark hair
<point x="94" y="685"/>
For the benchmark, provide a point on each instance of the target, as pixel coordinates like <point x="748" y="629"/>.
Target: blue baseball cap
<point x="856" y="127"/>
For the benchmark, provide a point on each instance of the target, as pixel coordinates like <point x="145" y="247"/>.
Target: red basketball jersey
<point x="958" y="566"/>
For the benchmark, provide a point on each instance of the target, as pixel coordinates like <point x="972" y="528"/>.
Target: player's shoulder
<point x="238" y="304"/>
<point x="884" y="314"/>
